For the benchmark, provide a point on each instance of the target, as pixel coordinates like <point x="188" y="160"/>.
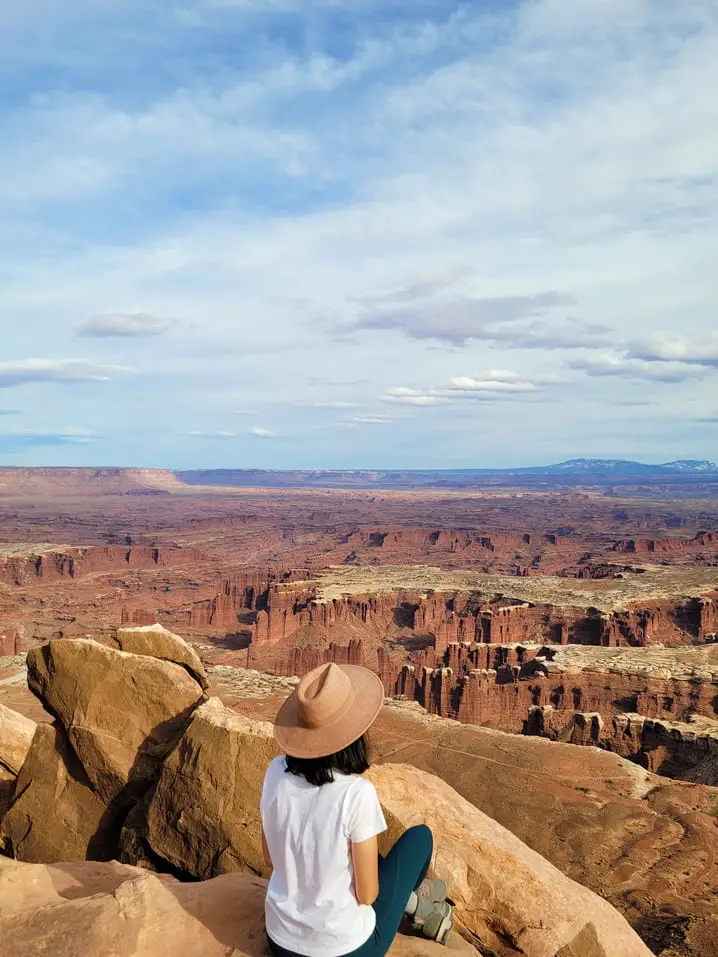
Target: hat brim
<point x="299" y="741"/>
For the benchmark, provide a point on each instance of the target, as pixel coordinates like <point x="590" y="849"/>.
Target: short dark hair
<point x="354" y="759"/>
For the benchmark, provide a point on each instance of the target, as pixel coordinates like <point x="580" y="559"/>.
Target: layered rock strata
<point x="76" y="562"/>
<point x="678" y="749"/>
<point x="282" y="609"/>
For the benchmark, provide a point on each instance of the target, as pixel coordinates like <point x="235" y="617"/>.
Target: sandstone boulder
<point x="56" y="815"/>
<point x="203" y="815"/>
<point x="117" y="716"/>
<point x="16" y="733"/>
<point x="157" y="642"/>
<point x="112" y="910"/>
<point x="510" y="897"/>
<point x="122" y="713"/>
<point x="7" y="789"/>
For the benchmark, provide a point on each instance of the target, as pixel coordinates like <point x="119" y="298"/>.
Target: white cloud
<point x="220" y="434"/>
<point x="371" y="419"/>
<point x="22" y="371"/>
<point x="613" y="365"/>
<point x="490" y="386"/>
<point x="407" y="396"/>
<point x="699" y="350"/>
<point x="261" y="433"/>
<point x="503" y="319"/>
<point x="501" y="382"/>
<point x="329" y="404"/>
<point x="125" y="325"/>
<point x="29" y="438"/>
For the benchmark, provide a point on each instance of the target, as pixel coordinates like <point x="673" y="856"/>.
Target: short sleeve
<point x="365" y="818"/>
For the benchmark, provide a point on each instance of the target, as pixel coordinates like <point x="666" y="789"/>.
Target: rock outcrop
<point x="157" y="642"/>
<point x="56" y="815"/>
<point x="511" y="898"/>
<point x="117" y="716"/>
<point x="203" y="815"/>
<point x="113" y="910"/>
<point x="16" y="733"/>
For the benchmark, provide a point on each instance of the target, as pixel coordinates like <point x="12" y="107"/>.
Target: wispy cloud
<point x="494" y="381"/>
<point x="490" y="386"/>
<point x="220" y="434"/>
<point x="404" y="395"/>
<point x="261" y="433"/>
<point x="28" y="438"/>
<point x="22" y="371"/>
<point x="698" y="350"/>
<point x="605" y="364"/>
<point x="507" y="320"/>
<point x="126" y="325"/>
<point x="371" y="419"/>
<point x="330" y="404"/>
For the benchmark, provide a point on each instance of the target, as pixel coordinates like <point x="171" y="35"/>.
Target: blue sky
<point x="354" y="234"/>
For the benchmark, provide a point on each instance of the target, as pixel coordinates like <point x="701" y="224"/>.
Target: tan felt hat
<point x="331" y="707"/>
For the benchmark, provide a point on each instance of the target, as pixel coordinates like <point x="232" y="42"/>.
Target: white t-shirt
<point x="311" y="908"/>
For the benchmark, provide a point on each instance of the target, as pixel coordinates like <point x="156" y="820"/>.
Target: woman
<point x="330" y="893"/>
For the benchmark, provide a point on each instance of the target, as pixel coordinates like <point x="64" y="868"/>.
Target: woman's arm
<point x="265" y="851"/>
<point x="365" y="860"/>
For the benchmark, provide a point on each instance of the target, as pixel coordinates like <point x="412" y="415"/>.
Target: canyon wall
<point x="516" y="689"/>
<point x="76" y="562"/>
<point x="688" y="750"/>
<point x="286" y="604"/>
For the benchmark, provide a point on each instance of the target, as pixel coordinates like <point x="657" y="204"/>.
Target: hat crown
<point x="324" y="695"/>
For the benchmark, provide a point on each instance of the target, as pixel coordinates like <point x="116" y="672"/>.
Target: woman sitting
<point x="331" y="894"/>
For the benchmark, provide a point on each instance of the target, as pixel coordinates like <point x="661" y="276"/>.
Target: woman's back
<point x="311" y="905"/>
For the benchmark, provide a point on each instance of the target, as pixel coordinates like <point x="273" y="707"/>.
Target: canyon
<point x="560" y="617"/>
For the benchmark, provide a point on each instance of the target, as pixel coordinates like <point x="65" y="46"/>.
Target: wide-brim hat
<point x="331" y="707"/>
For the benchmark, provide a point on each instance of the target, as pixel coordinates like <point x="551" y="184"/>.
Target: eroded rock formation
<point x="679" y="749"/>
<point x="287" y="607"/>
<point x="75" y="562"/>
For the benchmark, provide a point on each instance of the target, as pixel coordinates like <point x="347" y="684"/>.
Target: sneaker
<point x="434" y="919"/>
<point x="433" y="888"/>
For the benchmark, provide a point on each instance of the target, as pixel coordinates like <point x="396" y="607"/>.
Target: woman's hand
<point x="365" y="860"/>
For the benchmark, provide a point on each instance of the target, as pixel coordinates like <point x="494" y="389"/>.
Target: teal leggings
<point x="400" y="872"/>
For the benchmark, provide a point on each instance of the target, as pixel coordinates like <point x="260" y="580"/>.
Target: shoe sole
<point x="445" y="929"/>
<point x="438" y="932"/>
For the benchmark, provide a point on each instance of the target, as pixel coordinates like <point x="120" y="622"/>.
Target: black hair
<point x="354" y="759"/>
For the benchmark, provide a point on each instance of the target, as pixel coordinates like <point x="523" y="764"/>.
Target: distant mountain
<point x="573" y="473"/>
<point x="623" y="467"/>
